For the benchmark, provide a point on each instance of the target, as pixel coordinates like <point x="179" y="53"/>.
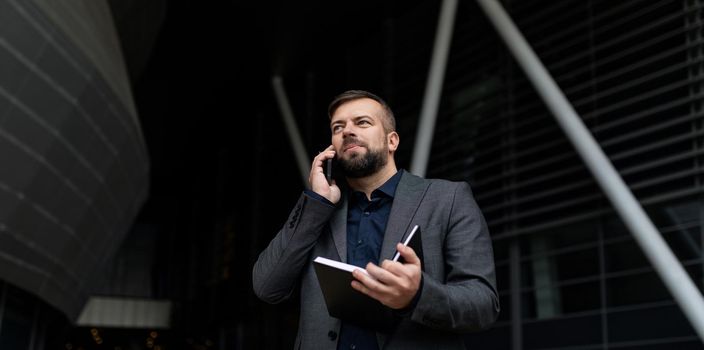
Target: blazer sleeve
<point x="467" y="299"/>
<point x="278" y="268"/>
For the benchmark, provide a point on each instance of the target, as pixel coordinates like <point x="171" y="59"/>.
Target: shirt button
<point x="352" y="346"/>
<point x="366" y="213"/>
<point x="359" y="242"/>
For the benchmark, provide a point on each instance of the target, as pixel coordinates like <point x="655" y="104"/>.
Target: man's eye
<point x="336" y="128"/>
<point x="364" y="122"/>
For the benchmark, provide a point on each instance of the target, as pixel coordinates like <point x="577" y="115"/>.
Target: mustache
<point x="352" y="141"/>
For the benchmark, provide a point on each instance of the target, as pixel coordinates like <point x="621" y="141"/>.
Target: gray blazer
<point x="459" y="288"/>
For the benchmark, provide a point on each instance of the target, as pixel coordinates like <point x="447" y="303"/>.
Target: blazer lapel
<point x="409" y="193"/>
<point x="338" y="226"/>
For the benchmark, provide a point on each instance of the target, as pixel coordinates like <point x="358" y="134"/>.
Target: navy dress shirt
<point x="366" y="223"/>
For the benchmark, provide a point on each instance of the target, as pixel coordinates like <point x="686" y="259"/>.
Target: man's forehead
<point x="357" y="108"/>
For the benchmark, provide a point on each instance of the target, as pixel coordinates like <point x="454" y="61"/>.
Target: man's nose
<point x="348" y="129"/>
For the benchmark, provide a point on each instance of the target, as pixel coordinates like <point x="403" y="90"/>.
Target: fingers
<point x="384" y="275"/>
<point x="317" y="179"/>
<point x="408" y="254"/>
<point x="317" y="165"/>
<point x="369" y="285"/>
<point x="391" y="273"/>
<point x="396" y="269"/>
<point x="364" y="278"/>
<point x="393" y="284"/>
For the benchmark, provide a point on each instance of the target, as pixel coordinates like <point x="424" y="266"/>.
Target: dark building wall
<point x="75" y="168"/>
<point x="570" y="274"/>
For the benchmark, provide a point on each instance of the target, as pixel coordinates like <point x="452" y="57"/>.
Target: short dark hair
<point x="389" y="121"/>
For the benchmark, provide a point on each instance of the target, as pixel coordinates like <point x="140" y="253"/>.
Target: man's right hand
<point x="318" y="181"/>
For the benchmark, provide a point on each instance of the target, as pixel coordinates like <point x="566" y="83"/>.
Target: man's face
<point x="359" y="139"/>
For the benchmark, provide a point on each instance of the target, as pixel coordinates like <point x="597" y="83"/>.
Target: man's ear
<point x="393" y="140"/>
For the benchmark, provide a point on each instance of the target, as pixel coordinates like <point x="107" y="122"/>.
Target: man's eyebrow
<point x="357" y="117"/>
<point x="353" y="118"/>
<point x="362" y="116"/>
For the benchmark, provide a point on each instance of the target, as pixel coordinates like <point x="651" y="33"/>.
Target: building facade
<point x="75" y="169"/>
<point x="570" y="274"/>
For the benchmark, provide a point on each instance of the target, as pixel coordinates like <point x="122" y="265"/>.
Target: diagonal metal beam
<point x="292" y="129"/>
<point x="433" y="88"/>
<point x="643" y="230"/>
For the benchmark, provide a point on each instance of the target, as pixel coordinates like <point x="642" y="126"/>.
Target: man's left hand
<point x="393" y="284"/>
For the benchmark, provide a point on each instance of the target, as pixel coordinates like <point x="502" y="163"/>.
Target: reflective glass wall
<point x="570" y="274"/>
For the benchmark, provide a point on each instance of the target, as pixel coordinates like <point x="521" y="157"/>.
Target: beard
<point x="363" y="165"/>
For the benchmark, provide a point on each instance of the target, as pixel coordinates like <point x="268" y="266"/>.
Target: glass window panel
<point x="584" y="263"/>
<point x="562" y="332"/>
<point x="623" y="256"/>
<point x="560" y="237"/>
<point x="685" y="243"/>
<point x="495" y="338"/>
<point x="545" y="271"/>
<point x="542" y="303"/>
<point x="647" y="323"/>
<point x="501" y="250"/>
<point x="676" y="214"/>
<point x="581" y="297"/>
<point x="503" y="277"/>
<point x="664" y="216"/>
<point x="635" y="289"/>
<point x="643" y="287"/>
<point x="614" y="227"/>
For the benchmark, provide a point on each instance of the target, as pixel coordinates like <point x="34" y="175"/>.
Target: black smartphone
<point x="331" y="170"/>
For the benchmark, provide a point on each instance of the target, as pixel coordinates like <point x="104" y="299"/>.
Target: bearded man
<point x="452" y="292"/>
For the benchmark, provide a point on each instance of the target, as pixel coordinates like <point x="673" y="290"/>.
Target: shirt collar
<point x="388" y="188"/>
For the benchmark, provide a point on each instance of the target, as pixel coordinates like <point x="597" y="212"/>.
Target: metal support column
<point x="292" y="129"/>
<point x="433" y="88"/>
<point x="643" y="230"/>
